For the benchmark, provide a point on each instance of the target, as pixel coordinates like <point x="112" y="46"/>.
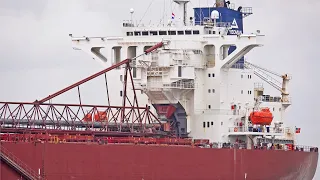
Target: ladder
<point x="19" y="166"/>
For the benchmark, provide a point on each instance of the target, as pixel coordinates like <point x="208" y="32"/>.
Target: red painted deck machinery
<point x="39" y="118"/>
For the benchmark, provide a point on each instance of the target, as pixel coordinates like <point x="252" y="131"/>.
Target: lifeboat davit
<point x="262" y="117"/>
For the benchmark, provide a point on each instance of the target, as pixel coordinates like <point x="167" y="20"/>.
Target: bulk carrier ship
<point x="190" y="109"/>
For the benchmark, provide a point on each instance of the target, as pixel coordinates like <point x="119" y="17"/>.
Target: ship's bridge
<point x="179" y="76"/>
<point x="220" y="28"/>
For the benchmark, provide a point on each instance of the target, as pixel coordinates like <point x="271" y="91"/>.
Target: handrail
<point x="178" y="85"/>
<point x="245" y="129"/>
<point x="202" y="143"/>
<point x="23" y="166"/>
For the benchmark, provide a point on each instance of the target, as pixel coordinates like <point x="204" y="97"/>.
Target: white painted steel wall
<point x="217" y="87"/>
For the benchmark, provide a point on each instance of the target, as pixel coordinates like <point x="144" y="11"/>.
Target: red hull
<point x="148" y="162"/>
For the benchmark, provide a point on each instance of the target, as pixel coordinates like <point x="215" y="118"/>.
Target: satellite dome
<point x="215" y="14"/>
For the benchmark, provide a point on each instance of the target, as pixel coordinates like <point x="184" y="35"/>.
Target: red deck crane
<point x="42" y="117"/>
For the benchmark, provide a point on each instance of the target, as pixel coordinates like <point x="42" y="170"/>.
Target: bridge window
<point x="204" y="124"/>
<point x="120" y="93"/>
<point x="153" y="33"/>
<point x="241" y="91"/>
<point x="241" y="75"/>
<point x="134" y="72"/>
<point x="213" y="91"/>
<point x="196" y="32"/>
<point x="129" y="33"/>
<point x="211" y="123"/>
<point x="172" y="32"/>
<point x="209" y="75"/>
<point x="209" y="90"/>
<point x="208" y="124"/>
<point x="179" y="71"/>
<point x="212" y="74"/>
<point x="145" y="33"/>
<point x="137" y="33"/>
<point x="162" y="32"/>
<point x="209" y="106"/>
<point x="188" y="32"/>
<point x="180" y="33"/>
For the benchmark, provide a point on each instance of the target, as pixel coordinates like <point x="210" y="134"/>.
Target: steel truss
<point x="79" y="118"/>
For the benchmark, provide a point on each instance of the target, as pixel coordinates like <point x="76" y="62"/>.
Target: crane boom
<point x="267" y="70"/>
<point x="262" y="73"/>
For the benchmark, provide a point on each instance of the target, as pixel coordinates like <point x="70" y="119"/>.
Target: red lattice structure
<point x="40" y="117"/>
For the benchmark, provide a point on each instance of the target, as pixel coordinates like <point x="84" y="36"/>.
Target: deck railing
<point x="284" y="147"/>
<point x="236" y="129"/>
<point x="200" y="143"/>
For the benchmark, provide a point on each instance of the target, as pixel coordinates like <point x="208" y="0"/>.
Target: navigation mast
<point x="182" y="11"/>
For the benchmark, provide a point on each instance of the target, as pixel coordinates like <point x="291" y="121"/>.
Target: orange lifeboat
<point x="263" y="117"/>
<point x="101" y="116"/>
<point x="98" y="116"/>
<point x="87" y="117"/>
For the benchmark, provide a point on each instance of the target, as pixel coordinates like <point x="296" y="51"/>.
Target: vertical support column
<point x="124" y="95"/>
<point x="217" y="55"/>
<point x="135" y="98"/>
<point x="285" y="82"/>
<point x="225" y="51"/>
<point x="182" y="15"/>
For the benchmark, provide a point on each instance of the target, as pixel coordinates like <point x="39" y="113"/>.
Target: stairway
<point x="19" y="166"/>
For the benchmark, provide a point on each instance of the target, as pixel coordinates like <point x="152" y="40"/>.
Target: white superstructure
<point x="195" y="73"/>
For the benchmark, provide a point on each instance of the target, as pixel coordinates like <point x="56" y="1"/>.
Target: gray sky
<point x="36" y="57"/>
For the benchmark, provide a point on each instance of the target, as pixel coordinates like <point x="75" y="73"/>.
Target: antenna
<point x="131" y="12"/>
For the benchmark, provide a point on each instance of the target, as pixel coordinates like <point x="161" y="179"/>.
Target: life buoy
<point x="235" y="129"/>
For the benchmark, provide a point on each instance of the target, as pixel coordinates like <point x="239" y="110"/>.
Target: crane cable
<point x="145" y="12"/>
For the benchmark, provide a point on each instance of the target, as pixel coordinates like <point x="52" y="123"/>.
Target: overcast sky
<point x="36" y="57"/>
